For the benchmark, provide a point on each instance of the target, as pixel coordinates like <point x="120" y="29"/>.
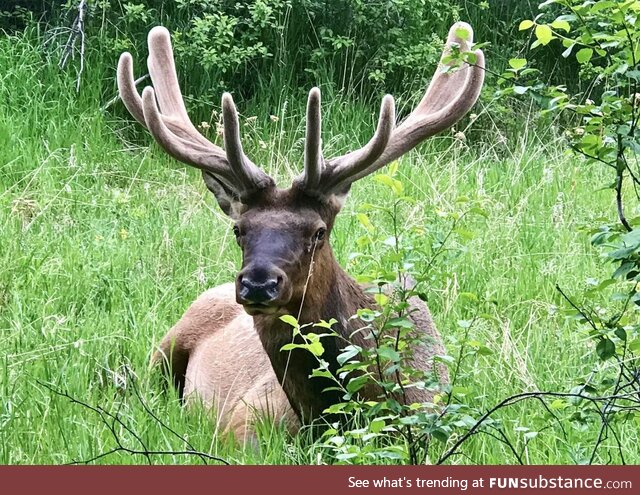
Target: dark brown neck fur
<point x="331" y="293"/>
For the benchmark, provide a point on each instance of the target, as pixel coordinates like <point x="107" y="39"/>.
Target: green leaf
<point x="517" y="63"/>
<point x="526" y="24"/>
<point x="357" y="383"/>
<point x="584" y="55"/>
<point x="290" y="320"/>
<point x="399" y="322"/>
<point x="520" y="90"/>
<point x="462" y="33"/>
<point x="568" y="51"/>
<point x="634" y="74"/>
<point x="624" y="268"/>
<point x="364" y="221"/>
<point x="389" y="354"/>
<point x="376" y="425"/>
<point x="544" y="34"/>
<point x="347" y="353"/>
<point x="558" y="404"/>
<point x="380" y="299"/>
<point x="395" y="185"/>
<point x="602" y="5"/>
<point x="561" y="24"/>
<point x="632" y="238"/>
<point x="634" y="346"/>
<point x="470" y="57"/>
<point x="326" y="324"/>
<point x="316" y="348"/>
<point x="605" y="349"/>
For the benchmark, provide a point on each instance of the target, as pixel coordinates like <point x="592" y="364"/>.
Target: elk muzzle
<point x="261" y="289"/>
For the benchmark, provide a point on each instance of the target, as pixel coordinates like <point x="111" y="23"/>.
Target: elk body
<point x="226" y="349"/>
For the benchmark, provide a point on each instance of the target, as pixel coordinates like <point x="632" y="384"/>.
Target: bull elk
<point x="226" y="349"/>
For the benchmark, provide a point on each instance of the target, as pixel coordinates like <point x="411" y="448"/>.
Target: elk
<point x="226" y="349"/>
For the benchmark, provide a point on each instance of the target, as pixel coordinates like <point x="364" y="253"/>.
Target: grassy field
<point x="105" y="242"/>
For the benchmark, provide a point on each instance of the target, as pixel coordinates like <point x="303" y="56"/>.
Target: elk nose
<point x="258" y="288"/>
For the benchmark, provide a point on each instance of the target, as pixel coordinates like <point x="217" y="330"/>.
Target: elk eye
<point x="320" y="234"/>
<point x="236" y="231"/>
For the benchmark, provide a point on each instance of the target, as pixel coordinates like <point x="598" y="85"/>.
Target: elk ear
<point x="229" y="203"/>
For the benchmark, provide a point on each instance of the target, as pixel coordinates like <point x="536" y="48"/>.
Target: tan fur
<point x="215" y="347"/>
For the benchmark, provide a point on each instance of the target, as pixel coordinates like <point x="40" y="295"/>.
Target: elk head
<point x="280" y="231"/>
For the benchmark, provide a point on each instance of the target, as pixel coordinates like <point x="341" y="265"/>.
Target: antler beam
<point x="161" y="109"/>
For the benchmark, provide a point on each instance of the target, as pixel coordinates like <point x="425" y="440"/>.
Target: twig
<point x="514" y="399"/>
<point x="579" y="310"/>
<point x="117" y="97"/>
<point x="160" y="422"/>
<point x="105" y="416"/>
<point x="620" y="168"/>
<point x="77" y="31"/>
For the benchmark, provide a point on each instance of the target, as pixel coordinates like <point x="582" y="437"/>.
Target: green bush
<point x="352" y="45"/>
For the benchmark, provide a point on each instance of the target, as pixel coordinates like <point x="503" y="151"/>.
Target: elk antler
<point x="161" y="109"/>
<point x="448" y="98"/>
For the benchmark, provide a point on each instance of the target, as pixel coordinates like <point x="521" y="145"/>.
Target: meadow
<point x="105" y="241"/>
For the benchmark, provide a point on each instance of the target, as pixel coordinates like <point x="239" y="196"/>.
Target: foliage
<point x="391" y="428"/>
<point x="105" y="244"/>
<point x="354" y="45"/>
<point x="603" y="38"/>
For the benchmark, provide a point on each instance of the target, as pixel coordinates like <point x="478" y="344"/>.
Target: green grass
<point x="105" y="242"/>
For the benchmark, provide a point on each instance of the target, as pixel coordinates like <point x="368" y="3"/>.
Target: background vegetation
<point x="105" y="241"/>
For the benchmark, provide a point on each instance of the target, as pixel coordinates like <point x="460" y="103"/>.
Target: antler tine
<point x="163" y="74"/>
<point x="438" y="95"/>
<point x="162" y="70"/>
<point x="442" y="90"/>
<point x="355" y="162"/>
<point x="246" y="172"/>
<point x="127" y="88"/>
<point x="184" y="150"/>
<point x="154" y="121"/>
<point x="313" y="162"/>
<point x="317" y="178"/>
<point x="448" y="98"/>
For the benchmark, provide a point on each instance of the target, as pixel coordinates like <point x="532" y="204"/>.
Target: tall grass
<point x="105" y="241"/>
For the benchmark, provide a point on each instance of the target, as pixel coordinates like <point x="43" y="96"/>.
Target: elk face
<point x="278" y="244"/>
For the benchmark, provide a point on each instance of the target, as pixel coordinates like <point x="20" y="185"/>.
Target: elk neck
<point x="330" y="294"/>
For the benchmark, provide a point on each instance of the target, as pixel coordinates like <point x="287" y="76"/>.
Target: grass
<point x="105" y="242"/>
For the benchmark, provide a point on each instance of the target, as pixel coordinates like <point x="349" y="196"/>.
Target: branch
<point x="514" y="399"/>
<point x="620" y="168"/>
<point x="116" y="98"/>
<point x="105" y="416"/>
<point x="77" y="32"/>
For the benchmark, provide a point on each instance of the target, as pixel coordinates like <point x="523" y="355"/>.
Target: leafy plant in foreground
<point x="391" y="429"/>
